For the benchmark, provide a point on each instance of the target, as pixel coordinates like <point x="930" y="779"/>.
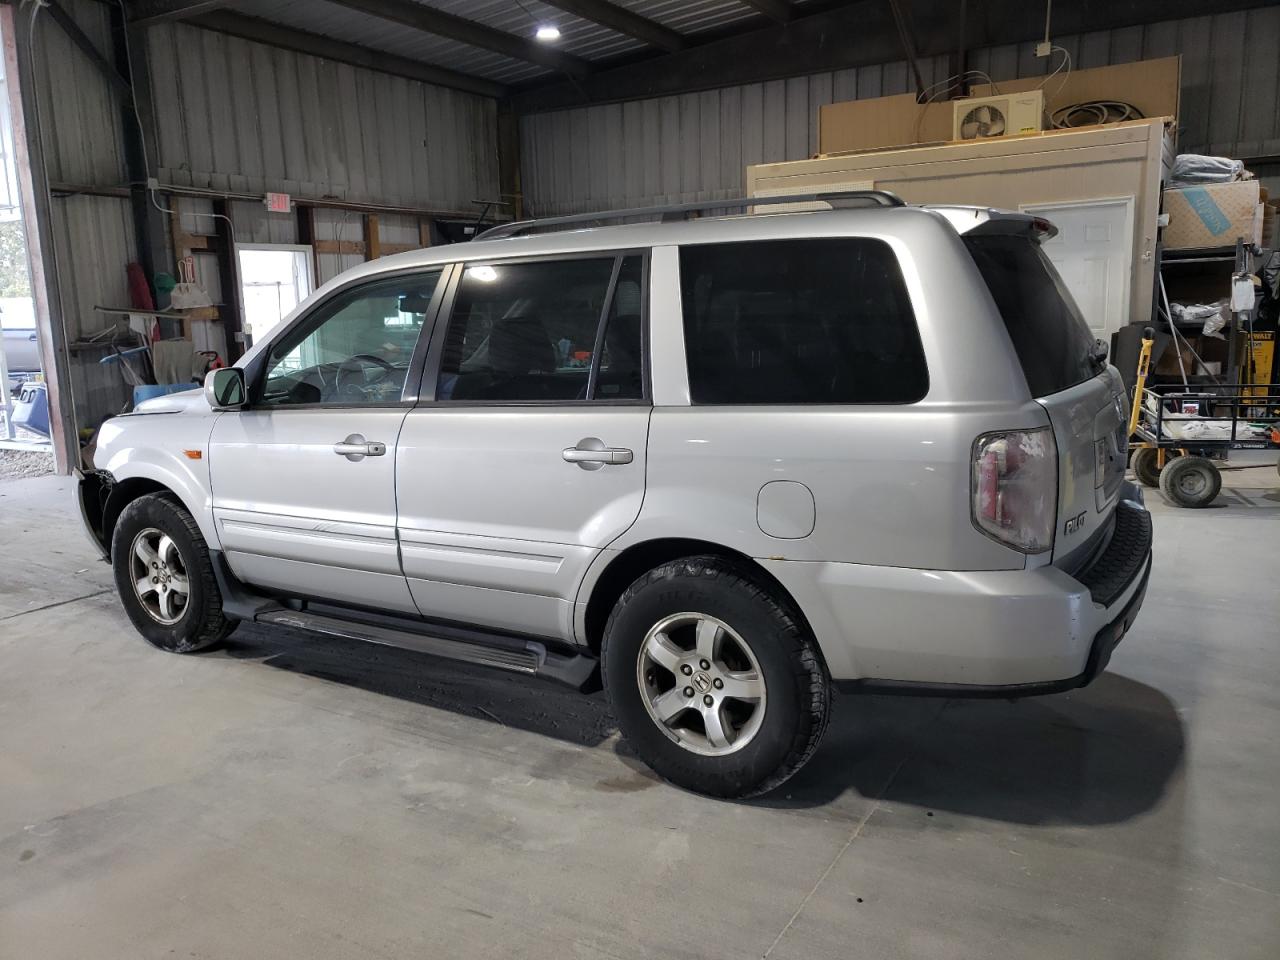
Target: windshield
<point x="1052" y="340"/>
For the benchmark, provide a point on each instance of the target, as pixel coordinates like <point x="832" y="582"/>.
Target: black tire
<point x="1190" y="481"/>
<point x="797" y="701"/>
<point x="199" y="623"/>
<point x="1146" y="466"/>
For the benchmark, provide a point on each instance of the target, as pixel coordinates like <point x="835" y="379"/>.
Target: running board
<point x="502" y="653"/>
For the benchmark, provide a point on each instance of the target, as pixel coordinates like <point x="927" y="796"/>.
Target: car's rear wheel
<point x="1190" y="481"/>
<point x="714" y="681"/>
<point x="164" y="576"/>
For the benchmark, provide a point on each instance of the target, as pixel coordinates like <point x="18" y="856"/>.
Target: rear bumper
<point x="1002" y="633"/>
<point x="1104" y="643"/>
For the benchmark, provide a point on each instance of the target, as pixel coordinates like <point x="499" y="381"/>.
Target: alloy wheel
<point x="159" y="576"/>
<point x="701" y="683"/>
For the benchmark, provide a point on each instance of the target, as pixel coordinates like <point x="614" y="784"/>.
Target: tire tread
<point x="213" y="627"/>
<point x="1145" y="466"/>
<point x="807" y="665"/>
<point x="1174" y="468"/>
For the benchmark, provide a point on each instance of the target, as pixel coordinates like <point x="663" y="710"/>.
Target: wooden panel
<point x="1119" y="160"/>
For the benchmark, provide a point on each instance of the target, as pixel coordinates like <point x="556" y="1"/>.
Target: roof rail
<point x="680" y="211"/>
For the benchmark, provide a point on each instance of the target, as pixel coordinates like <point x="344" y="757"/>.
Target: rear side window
<point x="557" y="330"/>
<point x="799" y="321"/>
<point x="1052" y="340"/>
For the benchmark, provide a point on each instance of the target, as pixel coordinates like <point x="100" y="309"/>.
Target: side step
<point x="452" y="643"/>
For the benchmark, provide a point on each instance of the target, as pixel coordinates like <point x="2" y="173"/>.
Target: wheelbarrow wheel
<point x="1146" y="466"/>
<point x="1190" y="482"/>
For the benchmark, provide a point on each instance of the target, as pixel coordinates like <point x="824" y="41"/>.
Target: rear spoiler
<point x="975" y="221"/>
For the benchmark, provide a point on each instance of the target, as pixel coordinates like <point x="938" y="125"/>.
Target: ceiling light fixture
<point x="548" y="32"/>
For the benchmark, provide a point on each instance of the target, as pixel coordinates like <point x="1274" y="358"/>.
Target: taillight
<point x="1015" y="486"/>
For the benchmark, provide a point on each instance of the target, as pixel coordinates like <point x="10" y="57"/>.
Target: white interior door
<point x="1093" y="251"/>
<point x="274" y="278"/>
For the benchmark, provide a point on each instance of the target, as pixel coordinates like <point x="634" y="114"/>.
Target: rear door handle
<point x="355" y="448"/>
<point x="592" y="454"/>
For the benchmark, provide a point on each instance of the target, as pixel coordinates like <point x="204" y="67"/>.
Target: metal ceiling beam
<point x="144" y="12"/>
<point x="430" y="20"/>
<point x="779" y="10"/>
<point x="853" y="35"/>
<point x="276" y="35"/>
<point x="622" y="20"/>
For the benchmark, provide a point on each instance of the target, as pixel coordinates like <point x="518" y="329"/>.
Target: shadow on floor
<point x="1243" y="502"/>
<point x="1099" y="755"/>
<point x="538" y="706"/>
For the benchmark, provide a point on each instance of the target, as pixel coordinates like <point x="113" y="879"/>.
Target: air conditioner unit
<point x="1006" y="115"/>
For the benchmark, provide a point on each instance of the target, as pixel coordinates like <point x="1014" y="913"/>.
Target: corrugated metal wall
<point x="93" y="236"/>
<point x="80" y="116"/>
<point x="337" y="225"/>
<point x="692" y="146"/>
<point x="243" y="117"/>
<point x="696" y="146"/>
<point x="239" y="117"/>
<point x="247" y="118"/>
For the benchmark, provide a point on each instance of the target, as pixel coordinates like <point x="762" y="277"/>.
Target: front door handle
<point x="355" y="448"/>
<point x="591" y="454"/>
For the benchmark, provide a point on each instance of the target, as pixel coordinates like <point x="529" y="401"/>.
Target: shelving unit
<point x="1203" y="275"/>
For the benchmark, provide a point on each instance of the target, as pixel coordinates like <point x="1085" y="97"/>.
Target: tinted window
<point x="532" y="332"/>
<point x="1052" y="340"/>
<point x="799" y="321"/>
<point x="354" y="350"/>
<point x="621" y="373"/>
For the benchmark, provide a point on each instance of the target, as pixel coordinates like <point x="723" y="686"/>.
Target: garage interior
<point x="185" y="172"/>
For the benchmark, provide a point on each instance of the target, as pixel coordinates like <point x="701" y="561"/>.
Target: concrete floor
<point x="299" y="797"/>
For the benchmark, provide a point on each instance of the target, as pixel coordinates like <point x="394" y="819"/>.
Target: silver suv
<point x="722" y="467"/>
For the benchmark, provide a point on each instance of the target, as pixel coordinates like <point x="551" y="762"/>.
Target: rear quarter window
<point x="1054" y="344"/>
<point x="806" y="321"/>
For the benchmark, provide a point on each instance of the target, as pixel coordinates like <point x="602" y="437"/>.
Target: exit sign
<point x="277" y="202"/>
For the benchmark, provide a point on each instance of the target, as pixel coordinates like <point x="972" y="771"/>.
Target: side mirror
<point x="224" y="388"/>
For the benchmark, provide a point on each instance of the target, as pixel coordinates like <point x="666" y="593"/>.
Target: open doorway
<point x="274" y="278"/>
<point x="25" y="448"/>
<point x="1093" y="251"/>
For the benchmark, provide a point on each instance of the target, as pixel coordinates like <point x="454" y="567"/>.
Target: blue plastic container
<point x="31" y="409"/>
<point x="148" y="391"/>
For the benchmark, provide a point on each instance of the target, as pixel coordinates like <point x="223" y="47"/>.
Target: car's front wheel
<point x="164" y="576"/>
<point x="714" y="681"/>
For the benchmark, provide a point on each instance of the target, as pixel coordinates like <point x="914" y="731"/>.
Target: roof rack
<point x="680" y="211"/>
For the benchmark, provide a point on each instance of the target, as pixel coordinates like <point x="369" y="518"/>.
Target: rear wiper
<point x="1098" y="353"/>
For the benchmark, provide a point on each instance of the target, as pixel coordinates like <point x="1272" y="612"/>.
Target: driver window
<point x="355" y="351"/>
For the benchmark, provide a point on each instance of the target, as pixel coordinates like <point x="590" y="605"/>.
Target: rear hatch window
<point x="1054" y="344"/>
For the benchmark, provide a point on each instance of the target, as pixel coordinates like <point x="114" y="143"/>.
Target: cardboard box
<point x="1153" y="86"/>
<point x="857" y="125"/>
<point x="1213" y="215"/>
<point x="1166" y="364"/>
